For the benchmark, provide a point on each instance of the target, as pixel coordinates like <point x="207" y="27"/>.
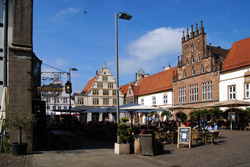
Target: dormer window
<point x="192" y="59"/>
<point x="193" y="71"/>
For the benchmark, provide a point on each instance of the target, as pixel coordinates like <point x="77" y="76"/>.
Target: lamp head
<point x="123" y="15"/>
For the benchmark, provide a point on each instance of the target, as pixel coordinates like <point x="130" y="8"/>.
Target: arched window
<point x="184" y="74"/>
<point x="192" y="47"/>
<point x="199" y="58"/>
<point x="202" y="68"/>
<point x="193" y="71"/>
<point x="187" y="62"/>
<point x="192" y="59"/>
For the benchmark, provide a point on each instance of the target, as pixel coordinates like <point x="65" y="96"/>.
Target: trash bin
<point x="146" y="144"/>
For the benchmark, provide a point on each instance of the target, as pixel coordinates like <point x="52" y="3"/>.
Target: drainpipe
<point x="5" y="42"/>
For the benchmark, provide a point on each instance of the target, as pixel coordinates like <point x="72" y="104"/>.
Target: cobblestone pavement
<point x="234" y="150"/>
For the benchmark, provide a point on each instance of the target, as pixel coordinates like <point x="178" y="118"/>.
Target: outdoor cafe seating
<point x="213" y="136"/>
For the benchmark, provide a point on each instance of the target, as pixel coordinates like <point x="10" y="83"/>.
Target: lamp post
<point x="69" y="80"/>
<point x="125" y="16"/>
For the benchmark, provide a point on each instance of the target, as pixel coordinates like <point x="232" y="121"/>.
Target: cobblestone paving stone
<point x="234" y="150"/>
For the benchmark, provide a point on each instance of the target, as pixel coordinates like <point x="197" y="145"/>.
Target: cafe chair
<point x="196" y="136"/>
<point x="248" y="127"/>
<point x="214" y="136"/>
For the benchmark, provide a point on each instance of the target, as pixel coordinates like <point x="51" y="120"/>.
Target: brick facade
<point x="198" y="67"/>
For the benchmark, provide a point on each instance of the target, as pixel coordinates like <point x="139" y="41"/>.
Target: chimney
<point x="196" y="31"/>
<point x="192" y="31"/>
<point x="96" y="72"/>
<point x="187" y="35"/>
<point x="183" y="38"/>
<point x="202" y="28"/>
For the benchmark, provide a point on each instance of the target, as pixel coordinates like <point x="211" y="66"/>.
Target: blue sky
<point x="65" y="37"/>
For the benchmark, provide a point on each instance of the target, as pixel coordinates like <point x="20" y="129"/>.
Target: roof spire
<point x="105" y="62"/>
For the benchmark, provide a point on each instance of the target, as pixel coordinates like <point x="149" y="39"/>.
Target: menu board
<point x="184" y="136"/>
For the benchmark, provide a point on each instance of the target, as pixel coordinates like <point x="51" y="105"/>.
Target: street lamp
<point x="69" y="81"/>
<point x="125" y="16"/>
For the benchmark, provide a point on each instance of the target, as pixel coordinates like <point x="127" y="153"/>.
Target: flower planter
<point x="19" y="149"/>
<point x="122" y="149"/>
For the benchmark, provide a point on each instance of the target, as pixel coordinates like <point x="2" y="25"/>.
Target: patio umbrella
<point x="83" y="108"/>
<point x="4" y="107"/>
<point x="229" y="103"/>
<point x="132" y="108"/>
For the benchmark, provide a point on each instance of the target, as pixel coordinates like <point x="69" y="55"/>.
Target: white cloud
<point x="58" y="62"/>
<point x="68" y="11"/>
<point x="151" y="49"/>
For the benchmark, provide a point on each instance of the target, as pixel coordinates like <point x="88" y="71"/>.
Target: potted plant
<point x="22" y="121"/>
<point x="125" y="134"/>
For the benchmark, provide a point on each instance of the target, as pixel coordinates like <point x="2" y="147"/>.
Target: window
<point x="104" y="78"/>
<point x="105" y="101"/>
<point x="192" y="59"/>
<point x="48" y="107"/>
<point x="65" y="107"/>
<point x="232" y="92"/>
<point x="114" y="101"/>
<point x="110" y="85"/>
<point x="114" y="92"/>
<point x="187" y="62"/>
<point x="57" y="100"/>
<point x="202" y="68"/>
<point x="192" y="47"/>
<point x="193" y="93"/>
<point x="199" y="58"/>
<point x="59" y="107"/>
<point x="54" y="107"/>
<point x="247" y="89"/>
<point x="105" y="92"/>
<point x="165" y="99"/>
<point x="95" y="101"/>
<point x="207" y="91"/>
<point x="80" y="100"/>
<point x="65" y="100"/>
<point x="182" y="95"/>
<point x="185" y="74"/>
<point x="48" y="100"/>
<point x="154" y="100"/>
<point x="95" y="92"/>
<point x="193" y="71"/>
<point x="99" y="85"/>
<point x="142" y="101"/>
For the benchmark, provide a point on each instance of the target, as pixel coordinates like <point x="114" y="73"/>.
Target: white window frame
<point x="153" y="100"/>
<point x="142" y="101"/>
<point x="247" y="90"/>
<point x="232" y="92"/>
<point x="165" y="99"/>
<point x="193" y="71"/>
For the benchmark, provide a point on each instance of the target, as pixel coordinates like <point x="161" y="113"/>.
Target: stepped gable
<point x="158" y="82"/>
<point x="238" y="56"/>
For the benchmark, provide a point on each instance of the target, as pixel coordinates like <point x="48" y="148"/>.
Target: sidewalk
<point x="234" y="150"/>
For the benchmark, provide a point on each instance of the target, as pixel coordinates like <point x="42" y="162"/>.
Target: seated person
<point x="209" y="128"/>
<point x="216" y="126"/>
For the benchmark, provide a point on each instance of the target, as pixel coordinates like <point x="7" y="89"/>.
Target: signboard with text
<point x="184" y="136"/>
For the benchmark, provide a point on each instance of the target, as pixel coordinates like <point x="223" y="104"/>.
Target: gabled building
<point x="100" y="91"/>
<point x="235" y="74"/>
<point x="196" y="79"/>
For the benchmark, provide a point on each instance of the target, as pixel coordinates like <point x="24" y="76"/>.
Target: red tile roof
<point x="89" y="85"/>
<point x="124" y="88"/>
<point x="238" y="56"/>
<point x="157" y="82"/>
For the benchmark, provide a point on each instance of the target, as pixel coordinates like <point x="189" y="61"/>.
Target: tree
<point x="215" y="112"/>
<point x="20" y="120"/>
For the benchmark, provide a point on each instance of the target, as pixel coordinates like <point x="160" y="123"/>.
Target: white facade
<point x="58" y="103"/>
<point x="235" y="84"/>
<point x="235" y="78"/>
<point x="161" y="99"/>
